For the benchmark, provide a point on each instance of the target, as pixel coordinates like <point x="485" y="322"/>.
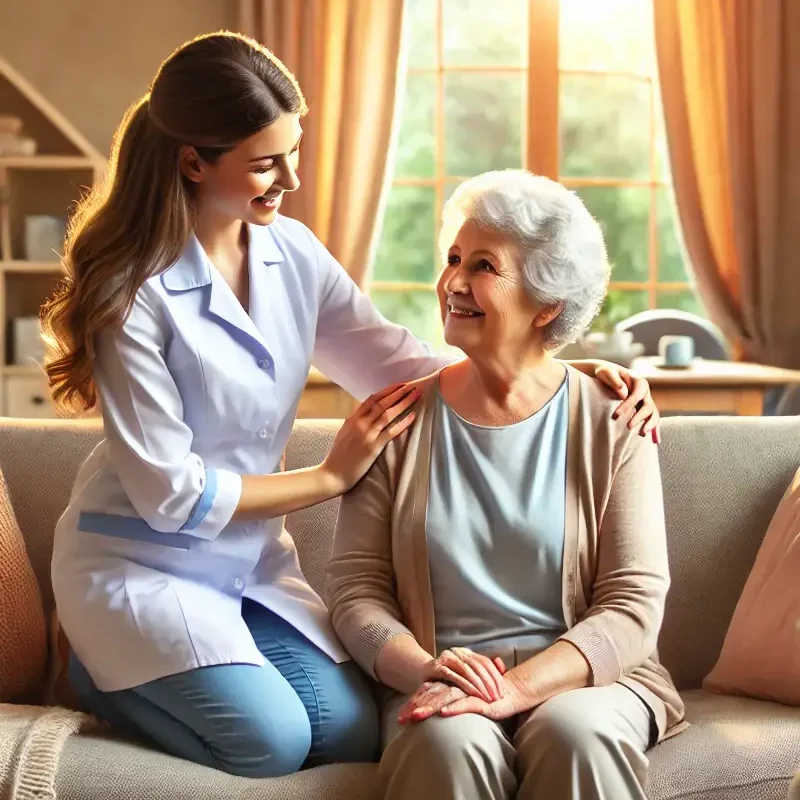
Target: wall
<point x="92" y="58"/>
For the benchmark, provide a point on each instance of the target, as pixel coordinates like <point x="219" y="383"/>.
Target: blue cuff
<point x="204" y="504"/>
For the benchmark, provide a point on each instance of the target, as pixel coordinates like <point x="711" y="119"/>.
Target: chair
<point x="788" y="405"/>
<point x="648" y="327"/>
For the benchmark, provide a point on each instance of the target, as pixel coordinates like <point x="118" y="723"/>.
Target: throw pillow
<point x="58" y="691"/>
<point x="761" y="654"/>
<point x="23" y="640"/>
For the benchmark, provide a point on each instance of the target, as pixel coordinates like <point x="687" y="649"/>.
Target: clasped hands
<point x="461" y="681"/>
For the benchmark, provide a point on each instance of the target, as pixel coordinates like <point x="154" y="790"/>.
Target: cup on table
<point x="676" y="351"/>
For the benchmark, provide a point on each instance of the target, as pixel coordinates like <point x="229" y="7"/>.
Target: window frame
<point x="541" y="150"/>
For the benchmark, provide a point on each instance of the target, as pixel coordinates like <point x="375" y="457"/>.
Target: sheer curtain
<point x="345" y="54"/>
<point x="730" y="80"/>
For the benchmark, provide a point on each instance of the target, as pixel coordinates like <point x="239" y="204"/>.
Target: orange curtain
<point x="345" y="54"/>
<point x="730" y="81"/>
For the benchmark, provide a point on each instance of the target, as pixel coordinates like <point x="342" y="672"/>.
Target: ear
<point x="192" y="166"/>
<point x="547" y="315"/>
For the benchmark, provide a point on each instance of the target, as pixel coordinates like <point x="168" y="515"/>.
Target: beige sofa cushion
<point x="723" y="480"/>
<point x="761" y="653"/>
<point x="23" y="655"/>
<point x="95" y="768"/>
<point x="735" y="749"/>
<point x="718" y="505"/>
<point x="43" y="457"/>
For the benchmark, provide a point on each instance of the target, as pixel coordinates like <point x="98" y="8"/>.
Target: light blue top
<point x="495" y="528"/>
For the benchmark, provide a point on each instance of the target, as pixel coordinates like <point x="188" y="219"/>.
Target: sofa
<point x="722" y="481"/>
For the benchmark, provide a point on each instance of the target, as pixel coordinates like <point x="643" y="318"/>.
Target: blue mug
<point x="676" y="351"/>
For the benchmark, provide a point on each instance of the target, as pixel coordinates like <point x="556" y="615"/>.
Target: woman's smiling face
<point x="484" y="302"/>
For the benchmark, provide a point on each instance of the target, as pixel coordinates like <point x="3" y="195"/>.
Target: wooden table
<point x="727" y="387"/>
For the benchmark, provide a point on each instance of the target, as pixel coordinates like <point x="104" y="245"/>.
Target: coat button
<point x="264" y="363"/>
<point x="262" y="433"/>
<point x="238" y="583"/>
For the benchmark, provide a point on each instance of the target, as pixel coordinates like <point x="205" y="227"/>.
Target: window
<point x="565" y="88"/>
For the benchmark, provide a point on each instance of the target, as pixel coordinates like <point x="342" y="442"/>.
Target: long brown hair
<point x="212" y="93"/>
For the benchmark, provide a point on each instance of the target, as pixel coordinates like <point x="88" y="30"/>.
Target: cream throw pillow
<point x="761" y="653"/>
<point x="23" y="639"/>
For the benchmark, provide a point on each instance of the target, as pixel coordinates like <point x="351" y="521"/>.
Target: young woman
<point x="190" y="313"/>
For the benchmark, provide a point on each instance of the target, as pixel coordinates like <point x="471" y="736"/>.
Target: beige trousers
<point x="586" y="744"/>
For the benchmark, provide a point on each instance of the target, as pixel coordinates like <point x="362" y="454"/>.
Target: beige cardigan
<point x="615" y="570"/>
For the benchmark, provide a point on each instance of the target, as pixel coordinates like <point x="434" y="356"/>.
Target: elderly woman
<point x="503" y="565"/>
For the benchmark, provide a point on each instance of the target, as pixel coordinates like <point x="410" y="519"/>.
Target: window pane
<point x="406" y="245"/>
<point x="671" y="258"/>
<point x="610" y="36"/>
<point x="619" y="305"/>
<point x="418" y="311"/>
<point x="421" y="27"/>
<point x="416" y="143"/>
<point x="605" y="127"/>
<point x="685" y="300"/>
<point x="476" y="34"/>
<point x="623" y="213"/>
<point x="483" y="122"/>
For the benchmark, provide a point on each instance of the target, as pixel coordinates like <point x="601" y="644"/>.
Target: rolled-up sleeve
<point x="169" y="486"/>
<point x="356" y="346"/>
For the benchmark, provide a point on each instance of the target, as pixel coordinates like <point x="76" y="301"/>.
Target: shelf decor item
<point x="45" y="165"/>
<point x="27" y="347"/>
<point x="44" y="237"/>
<point x="12" y="142"/>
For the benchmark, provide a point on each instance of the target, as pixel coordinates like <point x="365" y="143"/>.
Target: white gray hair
<point x="564" y="257"/>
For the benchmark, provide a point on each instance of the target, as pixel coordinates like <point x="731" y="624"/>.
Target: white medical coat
<point x="148" y="569"/>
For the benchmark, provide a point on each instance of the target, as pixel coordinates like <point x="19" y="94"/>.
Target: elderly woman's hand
<point x="429" y="700"/>
<point x="474" y="674"/>
<point x="449" y="701"/>
<point x="637" y="406"/>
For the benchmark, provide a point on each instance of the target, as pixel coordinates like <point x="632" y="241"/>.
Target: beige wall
<point x="92" y="58"/>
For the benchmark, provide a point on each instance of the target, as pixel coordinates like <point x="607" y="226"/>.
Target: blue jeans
<point x="299" y="710"/>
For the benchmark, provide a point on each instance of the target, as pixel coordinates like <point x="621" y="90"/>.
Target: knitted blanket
<point x="31" y="740"/>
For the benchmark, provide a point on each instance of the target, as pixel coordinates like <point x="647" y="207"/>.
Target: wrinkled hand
<point x="637" y="406"/>
<point x="429" y="700"/>
<point x="474" y="674"/>
<point x="449" y="701"/>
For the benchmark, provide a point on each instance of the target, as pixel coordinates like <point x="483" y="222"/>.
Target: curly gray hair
<point x="564" y="257"/>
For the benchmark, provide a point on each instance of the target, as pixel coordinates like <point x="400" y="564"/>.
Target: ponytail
<point x="131" y="227"/>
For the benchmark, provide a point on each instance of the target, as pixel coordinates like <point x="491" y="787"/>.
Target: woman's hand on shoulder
<point x="364" y="434"/>
<point x="637" y="408"/>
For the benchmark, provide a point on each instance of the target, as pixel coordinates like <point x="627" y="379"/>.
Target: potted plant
<point x="603" y="340"/>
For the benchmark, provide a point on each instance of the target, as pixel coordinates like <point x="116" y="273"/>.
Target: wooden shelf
<point x="47" y="183"/>
<point x="31" y="267"/>
<point x="47" y="162"/>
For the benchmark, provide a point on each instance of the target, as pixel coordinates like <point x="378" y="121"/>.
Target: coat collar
<point x="193" y="269"/>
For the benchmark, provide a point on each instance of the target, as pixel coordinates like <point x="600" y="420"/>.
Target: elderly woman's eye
<point x="453" y="261"/>
<point x="485" y="266"/>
